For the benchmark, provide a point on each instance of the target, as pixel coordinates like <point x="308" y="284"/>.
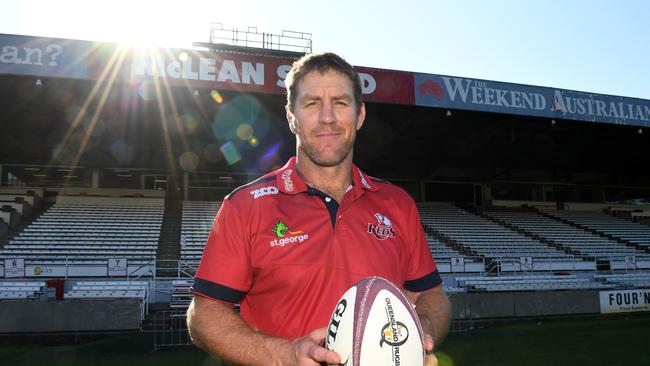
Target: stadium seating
<point x="109" y="290"/>
<point x="609" y="225"/>
<point x="579" y="240"/>
<point x="530" y="283"/>
<point x="86" y="237"/>
<point x="483" y="237"/>
<point x="21" y="290"/>
<point x="626" y="280"/>
<point x="196" y="223"/>
<point x="610" y="230"/>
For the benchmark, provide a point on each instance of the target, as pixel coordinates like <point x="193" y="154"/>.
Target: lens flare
<point x="244" y="132"/>
<point x="189" y="161"/>
<point x="270" y="159"/>
<point x="72" y="112"/>
<point x="189" y="122"/>
<point x="62" y="154"/>
<point x="183" y="56"/>
<point x="216" y="96"/>
<point x="145" y="90"/>
<point x="212" y="153"/>
<point x="231" y="153"/>
<point x="243" y="122"/>
<point x="121" y="151"/>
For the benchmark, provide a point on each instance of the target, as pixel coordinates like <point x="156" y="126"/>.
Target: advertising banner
<point x="37" y="56"/>
<point x="624" y="301"/>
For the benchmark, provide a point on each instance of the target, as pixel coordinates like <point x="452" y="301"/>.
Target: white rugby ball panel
<point x="374" y="324"/>
<point x="340" y="330"/>
<point x="391" y="334"/>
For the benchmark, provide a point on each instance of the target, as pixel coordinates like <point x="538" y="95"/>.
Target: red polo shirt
<point x="287" y="252"/>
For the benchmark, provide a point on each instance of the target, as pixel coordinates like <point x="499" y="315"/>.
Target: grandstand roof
<point x="102" y="104"/>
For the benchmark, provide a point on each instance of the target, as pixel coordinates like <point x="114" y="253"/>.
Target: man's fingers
<point x="313" y="349"/>
<point x="428" y="343"/>
<point x="321" y="354"/>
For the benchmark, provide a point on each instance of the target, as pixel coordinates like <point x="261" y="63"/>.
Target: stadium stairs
<point x="25" y="222"/>
<point x="170" y="237"/>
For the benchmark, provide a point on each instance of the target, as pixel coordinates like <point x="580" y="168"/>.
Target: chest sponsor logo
<point x="284" y="236"/>
<point x="265" y="191"/>
<point x="383" y="229"/>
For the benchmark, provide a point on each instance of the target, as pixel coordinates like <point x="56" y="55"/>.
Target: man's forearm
<point x="219" y="331"/>
<point x="216" y="329"/>
<point x="434" y="309"/>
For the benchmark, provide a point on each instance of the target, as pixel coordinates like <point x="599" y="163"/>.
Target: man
<point x="289" y="244"/>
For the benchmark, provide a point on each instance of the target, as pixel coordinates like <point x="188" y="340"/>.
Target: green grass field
<point x="603" y="341"/>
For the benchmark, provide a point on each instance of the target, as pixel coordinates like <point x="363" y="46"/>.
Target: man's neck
<point x="333" y="181"/>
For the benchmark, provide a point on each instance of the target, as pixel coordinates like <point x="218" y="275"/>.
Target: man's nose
<point x="327" y="113"/>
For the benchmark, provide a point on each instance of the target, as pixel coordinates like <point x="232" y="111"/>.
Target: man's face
<point x="325" y="119"/>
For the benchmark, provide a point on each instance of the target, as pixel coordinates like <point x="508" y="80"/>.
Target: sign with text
<point x="14" y="267"/>
<point x="110" y="62"/>
<point x="24" y="55"/>
<point x="624" y="301"/>
<point x="498" y="97"/>
<point x="117" y="266"/>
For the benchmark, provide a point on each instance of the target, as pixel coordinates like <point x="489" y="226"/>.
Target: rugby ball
<point x="374" y="324"/>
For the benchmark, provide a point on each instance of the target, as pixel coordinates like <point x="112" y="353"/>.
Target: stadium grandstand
<point x="114" y="161"/>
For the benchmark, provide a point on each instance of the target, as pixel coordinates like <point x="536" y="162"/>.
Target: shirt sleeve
<point x="422" y="272"/>
<point x="224" y="272"/>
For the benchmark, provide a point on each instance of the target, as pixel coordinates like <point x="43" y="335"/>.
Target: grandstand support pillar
<point x="95" y="179"/>
<point x="186" y="184"/>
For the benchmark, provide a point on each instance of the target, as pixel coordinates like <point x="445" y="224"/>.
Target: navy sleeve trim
<point x="216" y="291"/>
<point x="424" y="283"/>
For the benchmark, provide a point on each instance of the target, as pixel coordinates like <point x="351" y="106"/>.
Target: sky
<point x="595" y="46"/>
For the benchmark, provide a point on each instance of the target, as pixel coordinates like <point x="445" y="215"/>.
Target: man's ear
<point x="291" y="119"/>
<point x="361" y="116"/>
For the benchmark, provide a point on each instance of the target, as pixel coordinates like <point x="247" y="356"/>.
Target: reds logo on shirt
<point x="288" y="183"/>
<point x="383" y="229"/>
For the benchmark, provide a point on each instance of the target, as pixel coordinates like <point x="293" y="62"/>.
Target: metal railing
<point x="286" y="41"/>
<point x="170" y="329"/>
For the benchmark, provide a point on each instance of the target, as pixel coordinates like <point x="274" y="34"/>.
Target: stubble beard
<point x="319" y="159"/>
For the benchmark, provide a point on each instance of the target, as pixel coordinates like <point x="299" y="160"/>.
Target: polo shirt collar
<point x="289" y="182"/>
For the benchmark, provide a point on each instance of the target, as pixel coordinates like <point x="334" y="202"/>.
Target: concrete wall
<point x="524" y="304"/>
<point x="69" y="315"/>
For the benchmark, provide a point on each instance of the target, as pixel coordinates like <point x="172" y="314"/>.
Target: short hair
<point x="323" y="62"/>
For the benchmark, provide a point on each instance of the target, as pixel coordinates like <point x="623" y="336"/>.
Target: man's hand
<point x="309" y="350"/>
<point x="429" y="358"/>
